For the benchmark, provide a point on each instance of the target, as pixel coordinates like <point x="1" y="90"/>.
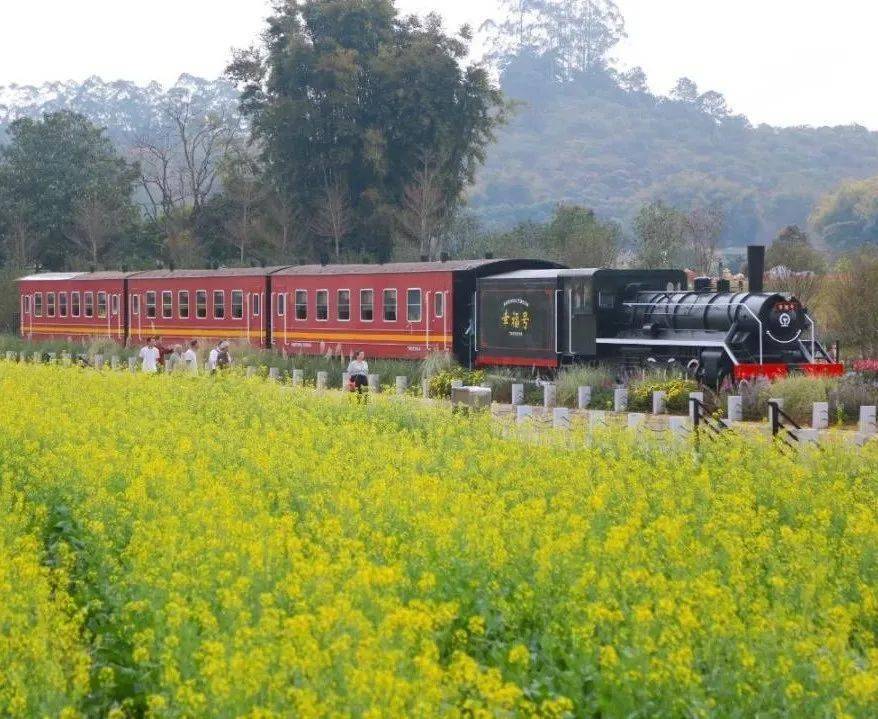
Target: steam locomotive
<point x="547" y="317"/>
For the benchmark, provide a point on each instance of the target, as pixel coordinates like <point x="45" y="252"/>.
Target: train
<point x="486" y="313"/>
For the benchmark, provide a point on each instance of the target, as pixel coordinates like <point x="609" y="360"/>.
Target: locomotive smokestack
<point x="755" y="266"/>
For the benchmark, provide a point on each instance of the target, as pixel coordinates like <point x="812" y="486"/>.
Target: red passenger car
<point x="204" y="304"/>
<point x="73" y="305"/>
<point x="401" y="310"/>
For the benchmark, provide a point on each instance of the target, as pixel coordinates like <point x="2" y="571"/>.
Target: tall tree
<point x="659" y="229"/>
<point x="48" y="169"/>
<point x="332" y="217"/>
<point x="576" y="35"/>
<point x="702" y="228"/>
<point x="423" y="208"/>
<point x="245" y="188"/>
<point x="793" y="250"/>
<point x="347" y="89"/>
<point x="577" y="237"/>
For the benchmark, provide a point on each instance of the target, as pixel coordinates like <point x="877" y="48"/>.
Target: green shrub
<point x="798" y="394"/>
<point x="676" y="389"/>
<point x="440" y="385"/>
<point x="600" y="379"/>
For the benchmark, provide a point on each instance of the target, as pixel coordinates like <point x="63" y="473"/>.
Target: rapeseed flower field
<point x="200" y="547"/>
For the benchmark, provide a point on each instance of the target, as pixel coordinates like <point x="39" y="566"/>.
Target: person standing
<point x="174" y="363"/>
<point x="212" y="358"/>
<point x="223" y="357"/>
<point x="190" y="357"/>
<point x="149" y="356"/>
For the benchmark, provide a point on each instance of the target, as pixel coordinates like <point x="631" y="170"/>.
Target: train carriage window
<point x="114" y="305"/>
<point x="606" y="300"/>
<point x="167" y="304"/>
<point x="38" y="304"/>
<point x="102" y="304"/>
<point x="62" y="304"/>
<point x="74" y="304"/>
<point x="301" y="304"/>
<point x="150" y="305"/>
<point x="89" y="304"/>
<point x="281" y="303"/>
<point x="50" y="304"/>
<point x="343" y="306"/>
<point x="390" y="305"/>
<point x="201" y="304"/>
<point x="581" y="298"/>
<point x="27" y="304"/>
<point x="183" y="304"/>
<point x="257" y="304"/>
<point x="367" y="305"/>
<point x="322" y="308"/>
<point x="439" y="304"/>
<point x="413" y="305"/>
<point x="219" y="304"/>
<point x="237" y="304"/>
<point x="135" y="304"/>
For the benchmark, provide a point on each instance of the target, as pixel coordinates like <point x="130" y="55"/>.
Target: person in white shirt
<point x="212" y="358"/>
<point x="149" y="356"/>
<point x="358" y="370"/>
<point x="190" y="357"/>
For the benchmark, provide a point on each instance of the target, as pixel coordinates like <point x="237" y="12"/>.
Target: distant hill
<point x="128" y="111"/>
<point x="587" y="141"/>
<point x="592" y="142"/>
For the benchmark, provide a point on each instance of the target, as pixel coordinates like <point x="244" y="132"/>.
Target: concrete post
<point x="694" y="395"/>
<point x="98" y="361"/>
<point x="620" y="399"/>
<point x="250" y="371"/>
<point x="10" y="356"/>
<point x="583" y="397"/>
<point x="425" y="388"/>
<point x="679" y="426"/>
<point x="808" y="436"/>
<point x="274" y="374"/>
<point x="868" y="423"/>
<point x="517" y="394"/>
<point x="597" y="418"/>
<point x="561" y="418"/>
<point x="820" y="415"/>
<point x="36" y="357"/>
<point x="735" y="408"/>
<point x="456" y="383"/>
<point x="132" y="364"/>
<point x="636" y="420"/>
<point x="375" y="383"/>
<point x="298" y="377"/>
<point x="345" y="380"/>
<point x="322" y="380"/>
<point x="66" y="360"/>
<point x="659" y="402"/>
<point x="550" y="395"/>
<point x="522" y="412"/>
<point x="402" y="384"/>
<point x="114" y="362"/>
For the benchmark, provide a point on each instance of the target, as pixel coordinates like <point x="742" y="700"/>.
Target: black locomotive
<point x="550" y="317"/>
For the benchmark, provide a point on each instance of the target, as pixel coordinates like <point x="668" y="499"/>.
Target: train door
<point x="578" y="321"/>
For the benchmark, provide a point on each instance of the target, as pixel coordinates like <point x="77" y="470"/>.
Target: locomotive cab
<point x="549" y="317"/>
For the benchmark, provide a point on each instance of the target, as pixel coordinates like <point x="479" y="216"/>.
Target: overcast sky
<point x="786" y="62"/>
